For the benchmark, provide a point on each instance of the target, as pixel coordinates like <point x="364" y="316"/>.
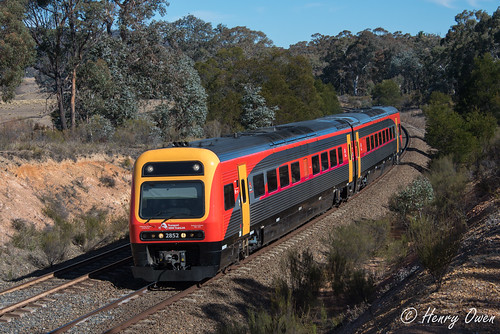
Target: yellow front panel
<point x="245" y="201"/>
<point x="209" y="160"/>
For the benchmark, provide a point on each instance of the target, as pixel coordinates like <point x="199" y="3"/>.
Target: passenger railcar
<point x="200" y="206"/>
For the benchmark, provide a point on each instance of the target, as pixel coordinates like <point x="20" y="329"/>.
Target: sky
<point x="287" y="22"/>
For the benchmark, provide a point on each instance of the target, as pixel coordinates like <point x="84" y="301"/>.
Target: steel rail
<point x="64" y="328"/>
<point x="77" y="280"/>
<point x="60" y="271"/>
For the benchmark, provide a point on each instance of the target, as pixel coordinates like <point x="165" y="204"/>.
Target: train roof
<point x="249" y="142"/>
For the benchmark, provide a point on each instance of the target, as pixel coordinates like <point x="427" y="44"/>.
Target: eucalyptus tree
<point x="17" y="48"/>
<point x="474" y="34"/>
<point x="256" y="114"/>
<point x="184" y="111"/>
<point x="47" y="21"/>
<point x="193" y="36"/>
<point x="134" y="15"/>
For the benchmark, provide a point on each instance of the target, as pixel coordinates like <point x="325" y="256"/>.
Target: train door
<point x="349" y="157"/>
<point x="357" y="156"/>
<point x="244" y="199"/>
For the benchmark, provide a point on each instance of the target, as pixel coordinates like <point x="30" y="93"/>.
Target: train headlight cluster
<point x="167" y="235"/>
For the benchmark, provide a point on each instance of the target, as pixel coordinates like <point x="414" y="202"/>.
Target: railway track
<point x="27" y="297"/>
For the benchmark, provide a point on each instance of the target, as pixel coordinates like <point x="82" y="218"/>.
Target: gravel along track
<point x="228" y="298"/>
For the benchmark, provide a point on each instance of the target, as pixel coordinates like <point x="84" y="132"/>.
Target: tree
<point x="474" y="34"/>
<point x="447" y="131"/>
<point x="17" y="49"/>
<point x="133" y="14"/>
<point x="387" y="93"/>
<point x="193" y="36"/>
<point x="256" y="114"/>
<point x="85" y="22"/>
<point x="482" y="90"/>
<point x="187" y="112"/>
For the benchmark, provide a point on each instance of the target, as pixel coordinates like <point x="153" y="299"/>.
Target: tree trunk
<point x="73" y="99"/>
<point x="62" y="114"/>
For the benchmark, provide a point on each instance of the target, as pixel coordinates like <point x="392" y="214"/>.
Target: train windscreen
<point x="172" y="199"/>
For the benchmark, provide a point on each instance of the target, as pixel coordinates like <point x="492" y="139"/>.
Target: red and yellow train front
<point x="175" y="217"/>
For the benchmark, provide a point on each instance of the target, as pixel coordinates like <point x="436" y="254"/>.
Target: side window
<point x="372" y="139"/>
<point x="228" y="196"/>
<point x="295" y="172"/>
<point x="384" y="137"/>
<point x="315" y="164"/>
<point x="387" y="135"/>
<point x="368" y="147"/>
<point x="380" y="138"/>
<point x="324" y="161"/>
<point x="376" y="140"/>
<point x="284" y="176"/>
<point x="341" y="158"/>
<point x="333" y="158"/>
<point x="259" y="188"/>
<point x="393" y="133"/>
<point x="272" y="180"/>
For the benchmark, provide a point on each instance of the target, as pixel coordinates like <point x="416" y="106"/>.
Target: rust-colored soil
<point x="26" y="188"/>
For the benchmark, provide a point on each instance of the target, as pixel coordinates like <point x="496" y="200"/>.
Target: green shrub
<point x="306" y="278"/>
<point x="140" y="131"/>
<point x="92" y="229"/>
<point x="107" y="181"/>
<point x="411" y="201"/>
<point x="349" y="246"/>
<point x="283" y="317"/>
<point x="360" y="287"/>
<point x="98" y="129"/>
<point x="25" y="236"/>
<point x="54" y="243"/>
<point x="448" y="183"/>
<point x="435" y="243"/>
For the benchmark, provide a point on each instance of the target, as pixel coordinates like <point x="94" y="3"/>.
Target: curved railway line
<point x="33" y="303"/>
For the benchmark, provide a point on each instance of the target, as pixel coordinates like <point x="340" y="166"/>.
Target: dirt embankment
<point x="73" y="187"/>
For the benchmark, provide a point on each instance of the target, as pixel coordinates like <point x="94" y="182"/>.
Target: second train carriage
<point x="199" y="207"/>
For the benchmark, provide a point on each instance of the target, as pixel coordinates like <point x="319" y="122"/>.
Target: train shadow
<point x="121" y="277"/>
<point x="250" y="296"/>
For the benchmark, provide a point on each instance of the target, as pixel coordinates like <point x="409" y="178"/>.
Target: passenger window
<point x="259" y="185"/>
<point x="393" y="134"/>
<point x="341" y="158"/>
<point x="384" y="137"/>
<point x="229" y="196"/>
<point x="324" y="161"/>
<point x="368" y="144"/>
<point x="272" y="180"/>
<point x="376" y="140"/>
<point x="380" y="138"/>
<point x="387" y="135"/>
<point x="373" y="142"/>
<point x="315" y="164"/>
<point x="333" y="158"/>
<point x="295" y="172"/>
<point x="284" y="176"/>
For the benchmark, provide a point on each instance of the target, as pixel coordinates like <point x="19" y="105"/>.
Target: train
<point x="198" y="207"/>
